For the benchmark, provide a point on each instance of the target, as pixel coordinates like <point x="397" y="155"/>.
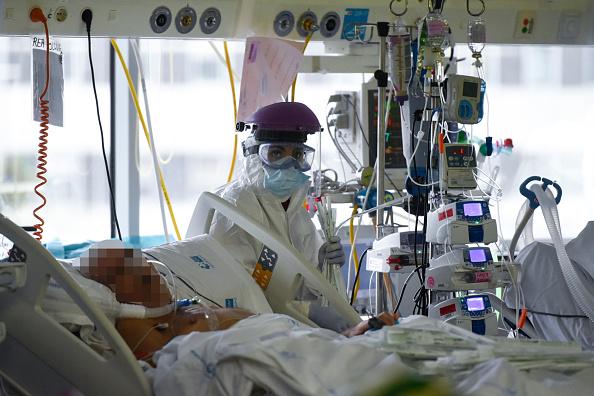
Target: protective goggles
<point x="287" y="155"/>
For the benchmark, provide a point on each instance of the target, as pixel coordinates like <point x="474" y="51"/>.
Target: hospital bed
<point x="285" y="278"/>
<point x="39" y="356"/>
<point x="43" y="352"/>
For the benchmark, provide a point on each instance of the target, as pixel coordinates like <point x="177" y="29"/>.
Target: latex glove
<point x="331" y="251"/>
<point x="327" y="318"/>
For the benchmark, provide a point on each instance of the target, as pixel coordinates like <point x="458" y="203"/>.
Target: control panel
<point x="457" y="167"/>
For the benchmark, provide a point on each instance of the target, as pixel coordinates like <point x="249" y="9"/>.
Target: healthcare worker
<point x="271" y="188"/>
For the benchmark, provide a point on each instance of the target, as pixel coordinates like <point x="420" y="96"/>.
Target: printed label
<point x="230" y="303"/>
<point x="352" y="16"/>
<point x="202" y="263"/>
<point x="265" y="266"/>
<point x="253" y="51"/>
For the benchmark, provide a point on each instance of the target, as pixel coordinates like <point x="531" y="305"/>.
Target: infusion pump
<point x="457" y="167"/>
<point x="461" y="223"/>
<point x="464" y="99"/>
<point x="473" y="313"/>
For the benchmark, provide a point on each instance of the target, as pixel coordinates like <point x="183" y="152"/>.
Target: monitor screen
<point x="394" y="155"/>
<point x="477" y="255"/>
<point x="395" y="162"/>
<point x="411" y="238"/>
<point x="473" y="209"/>
<point x="470" y="89"/>
<point x="475" y="304"/>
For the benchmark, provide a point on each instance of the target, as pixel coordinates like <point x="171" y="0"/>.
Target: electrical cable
<point x="157" y="326"/>
<point x="404" y="288"/>
<point x="389" y="288"/>
<point x="230" y="69"/>
<point x="340" y="150"/>
<point x="141" y="117"/>
<point x="295" y="79"/>
<point x="87" y="17"/>
<point x="353" y="256"/>
<point x="358" y="119"/>
<point x="224" y="61"/>
<point x="184" y="281"/>
<point x="356" y="282"/>
<point x="152" y="146"/>
<point x="36" y="15"/>
<point x="371" y="181"/>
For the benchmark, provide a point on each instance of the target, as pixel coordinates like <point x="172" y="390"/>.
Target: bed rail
<point x="290" y="268"/>
<point x="38" y="355"/>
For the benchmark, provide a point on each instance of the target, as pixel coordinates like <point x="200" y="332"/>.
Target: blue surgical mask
<point x="283" y="182"/>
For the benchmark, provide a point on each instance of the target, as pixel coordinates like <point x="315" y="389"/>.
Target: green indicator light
<point x="524" y="29"/>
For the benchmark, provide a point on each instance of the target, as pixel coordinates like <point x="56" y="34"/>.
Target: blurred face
<point x="129" y="275"/>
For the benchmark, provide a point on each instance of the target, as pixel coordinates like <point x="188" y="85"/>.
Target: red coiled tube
<point x="37" y="16"/>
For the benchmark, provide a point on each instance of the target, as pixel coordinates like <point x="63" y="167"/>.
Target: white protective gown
<point x="248" y="194"/>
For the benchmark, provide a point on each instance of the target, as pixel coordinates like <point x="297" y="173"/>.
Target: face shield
<point x="287" y="155"/>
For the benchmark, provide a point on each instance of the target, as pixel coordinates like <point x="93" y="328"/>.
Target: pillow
<point x="58" y="304"/>
<point x="202" y="264"/>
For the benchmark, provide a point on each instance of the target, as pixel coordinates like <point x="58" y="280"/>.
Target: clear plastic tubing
<point x="581" y="295"/>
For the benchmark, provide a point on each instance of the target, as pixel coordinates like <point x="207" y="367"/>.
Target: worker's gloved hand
<point x="327" y="318"/>
<point x="332" y="252"/>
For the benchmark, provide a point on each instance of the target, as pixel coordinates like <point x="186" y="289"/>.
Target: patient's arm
<point x="388" y="319"/>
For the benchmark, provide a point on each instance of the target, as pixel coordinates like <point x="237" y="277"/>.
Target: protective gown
<point x="249" y="195"/>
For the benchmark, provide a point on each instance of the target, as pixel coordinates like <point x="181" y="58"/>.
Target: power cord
<point x="87" y="17"/>
<point x="37" y="15"/>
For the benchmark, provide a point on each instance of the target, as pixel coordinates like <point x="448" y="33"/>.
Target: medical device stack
<point x="462" y="268"/>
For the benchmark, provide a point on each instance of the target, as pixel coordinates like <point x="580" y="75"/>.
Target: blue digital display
<point x="475" y="304"/>
<point x="473" y="209"/>
<point x="477" y="255"/>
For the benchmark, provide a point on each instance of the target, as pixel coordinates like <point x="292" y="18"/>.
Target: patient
<point x="146" y="336"/>
<point x="136" y="281"/>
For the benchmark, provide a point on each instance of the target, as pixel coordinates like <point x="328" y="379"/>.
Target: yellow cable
<point x="133" y="92"/>
<point x="356" y="259"/>
<point x="234" y="109"/>
<point x="389" y="289"/>
<point x="295" y="80"/>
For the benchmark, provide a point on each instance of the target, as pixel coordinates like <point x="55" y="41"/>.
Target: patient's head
<point x="127" y="273"/>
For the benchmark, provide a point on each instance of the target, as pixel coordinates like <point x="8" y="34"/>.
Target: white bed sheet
<point x="274" y="354"/>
